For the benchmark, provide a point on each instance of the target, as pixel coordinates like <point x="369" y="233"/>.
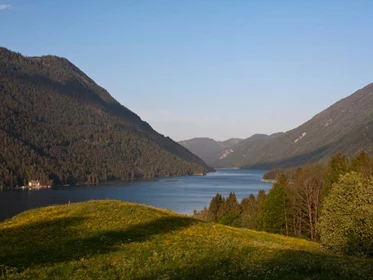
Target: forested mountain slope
<point x="56" y="124"/>
<point x="345" y="127"/>
<point x="242" y="151"/>
<point x="209" y="149"/>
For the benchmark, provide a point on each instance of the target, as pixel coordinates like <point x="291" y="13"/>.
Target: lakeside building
<point x="34" y="184"/>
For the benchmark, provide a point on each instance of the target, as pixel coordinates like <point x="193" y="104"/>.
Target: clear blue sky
<point x="218" y="69"/>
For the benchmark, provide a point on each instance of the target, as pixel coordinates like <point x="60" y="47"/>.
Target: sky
<point x="201" y="68"/>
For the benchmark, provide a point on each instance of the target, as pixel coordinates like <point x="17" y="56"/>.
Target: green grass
<point x="117" y="240"/>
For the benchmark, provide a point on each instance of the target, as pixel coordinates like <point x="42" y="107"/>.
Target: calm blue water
<point x="180" y="194"/>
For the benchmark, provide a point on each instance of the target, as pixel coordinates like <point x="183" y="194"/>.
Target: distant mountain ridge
<point x="209" y="149"/>
<point x="57" y="124"/>
<point x="243" y="150"/>
<point x="345" y="127"/>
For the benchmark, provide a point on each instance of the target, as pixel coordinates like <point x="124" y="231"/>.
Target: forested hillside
<point x="328" y="202"/>
<point x="57" y="125"/>
<point x="345" y="127"/>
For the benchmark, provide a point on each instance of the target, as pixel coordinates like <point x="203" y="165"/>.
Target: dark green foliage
<point x="57" y="125"/>
<point x="259" y="215"/>
<point x="347" y="217"/>
<point x="229" y="214"/>
<point x="275" y="217"/>
<point x="249" y="212"/>
<point x="214" y="208"/>
<point x="231" y="219"/>
<point x="232" y="204"/>
<point x="320" y="199"/>
<point x="337" y="166"/>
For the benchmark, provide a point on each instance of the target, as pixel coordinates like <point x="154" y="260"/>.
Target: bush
<point x="231" y="219"/>
<point x="346" y="224"/>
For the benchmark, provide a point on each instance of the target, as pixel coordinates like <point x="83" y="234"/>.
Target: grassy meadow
<point x="118" y="240"/>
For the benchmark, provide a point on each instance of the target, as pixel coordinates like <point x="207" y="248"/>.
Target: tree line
<point x="331" y="203"/>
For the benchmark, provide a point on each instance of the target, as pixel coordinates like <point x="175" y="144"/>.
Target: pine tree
<point x="363" y="164"/>
<point x="215" y="204"/>
<point x="261" y="210"/>
<point x="276" y="207"/>
<point x="249" y="208"/>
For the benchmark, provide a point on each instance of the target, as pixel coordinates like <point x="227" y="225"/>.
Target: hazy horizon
<point x="217" y="69"/>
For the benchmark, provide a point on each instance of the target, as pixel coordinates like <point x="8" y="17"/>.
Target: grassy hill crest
<point x="119" y="240"/>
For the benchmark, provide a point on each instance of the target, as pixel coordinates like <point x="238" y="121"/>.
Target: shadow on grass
<point x="283" y="264"/>
<point x="50" y="242"/>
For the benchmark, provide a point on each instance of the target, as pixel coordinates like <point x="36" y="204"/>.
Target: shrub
<point x="231" y="219"/>
<point x="346" y="224"/>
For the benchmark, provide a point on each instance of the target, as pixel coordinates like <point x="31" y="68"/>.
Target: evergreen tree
<point x="215" y="205"/>
<point x="260" y="210"/>
<point x="276" y="208"/>
<point x="231" y="212"/>
<point x="232" y="204"/>
<point x="338" y="165"/>
<point x="249" y="208"/>
<point x="363" y="164"/>
<point x="223" y="209"/>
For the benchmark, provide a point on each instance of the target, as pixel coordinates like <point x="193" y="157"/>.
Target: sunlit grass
<point x="117" y="240"/>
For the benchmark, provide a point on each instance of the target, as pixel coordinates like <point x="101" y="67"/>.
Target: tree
<point x="338" y="165"/>
<point x="231" y="219"/>
<point x="232" y="204"/>
<point x="363" y="164"/>
<point x="261" y="210"/>
<point x="249" y="208"/>
<point x="215" y="205"/>
<point x="229" y="214"/>
<point x="346" y="224"/>
<point x="296" y="213"/>
<point x="276" y="208"/>
<point x="308" y="187"/>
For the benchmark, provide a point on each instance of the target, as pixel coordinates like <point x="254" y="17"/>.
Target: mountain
<point x="57" y="124"/>
<point x="345" y="127"/>
<point x="208" y="149"/>
<point x="230" y="142"/>
<point x="239" y="153"/>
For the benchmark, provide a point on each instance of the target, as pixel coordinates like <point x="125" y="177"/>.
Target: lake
<point x="180" y="194"/>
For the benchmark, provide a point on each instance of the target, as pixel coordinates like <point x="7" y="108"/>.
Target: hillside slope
<point x="209" y="149"/>
<point x="345" y="127"/>
<point x="57" y="124"/>
<point x="117" y="240"/>
<point x="242" y="151"/>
